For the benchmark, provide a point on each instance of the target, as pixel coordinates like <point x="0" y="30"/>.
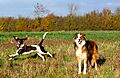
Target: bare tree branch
<point x="40" y="10"/>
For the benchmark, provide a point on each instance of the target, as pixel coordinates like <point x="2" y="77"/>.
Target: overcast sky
<point x="25" y="8"/>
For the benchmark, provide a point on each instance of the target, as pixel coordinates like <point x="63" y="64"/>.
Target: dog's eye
<point x="81" y="37"/>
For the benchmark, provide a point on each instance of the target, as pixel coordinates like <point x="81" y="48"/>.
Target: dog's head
<point x="19" y="41"/>
<point x="80" y="37"/>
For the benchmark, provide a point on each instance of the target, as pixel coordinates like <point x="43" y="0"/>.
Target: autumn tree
<point x="7" y="24"/>
<point x="94" y="20"/>
<point x="117" y="11"/>
<point x="49" y="23"/>
<point x="23" y="24"/>
<point x="69" y="24"/>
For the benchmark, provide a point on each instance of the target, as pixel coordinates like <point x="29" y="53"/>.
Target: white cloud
<point x="113" y="4"/>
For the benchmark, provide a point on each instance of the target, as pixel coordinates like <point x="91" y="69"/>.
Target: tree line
<point x="94" y="20"/>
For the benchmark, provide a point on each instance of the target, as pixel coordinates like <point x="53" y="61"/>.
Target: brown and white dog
<point x="27" y="49"/>
<point x="86" y="50"/>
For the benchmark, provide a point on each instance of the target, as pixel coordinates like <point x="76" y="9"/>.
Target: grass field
<point x="64" y="64"/>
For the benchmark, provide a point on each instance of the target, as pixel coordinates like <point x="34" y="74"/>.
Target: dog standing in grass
<point x="86" y="50"/>
<point x="27" y="49"/>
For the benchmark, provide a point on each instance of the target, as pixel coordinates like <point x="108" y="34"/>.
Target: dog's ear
<point x="75" y="36"/>
<point x="15" y="37"/>
<point x="82" y="34"/>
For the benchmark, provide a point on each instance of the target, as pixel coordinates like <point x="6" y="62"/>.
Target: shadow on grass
<point x="101" y="60"/>
<point x="33" y="56"/>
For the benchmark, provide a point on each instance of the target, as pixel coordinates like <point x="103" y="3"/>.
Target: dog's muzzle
<point x="17" y="46"/>
<point x="79" y="41"/>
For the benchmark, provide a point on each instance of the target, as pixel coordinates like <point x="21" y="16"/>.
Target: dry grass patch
<point x="63" y="65"/>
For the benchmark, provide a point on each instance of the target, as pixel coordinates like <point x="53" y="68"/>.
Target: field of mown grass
<point x="64" y="64"/>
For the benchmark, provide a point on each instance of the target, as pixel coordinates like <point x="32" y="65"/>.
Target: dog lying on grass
<point x="27" y="49"/>
<point x="86" y="50"/>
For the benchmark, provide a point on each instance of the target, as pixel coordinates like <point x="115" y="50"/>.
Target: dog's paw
<point x="79" y="72"/>
<point x="84" y="72"/>
<point x="10" y="58"/>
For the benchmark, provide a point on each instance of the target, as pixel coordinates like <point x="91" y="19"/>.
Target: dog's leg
<point x="79" y="65"/>
<point x="95" y="56"/>
<point x="46" y="53"/>
<point x="93" y="61"/>
<point x="12" y="56"/>
<point x="85" y="66"/>
<point x="41" y="56"/>
<point x="95" y="65"/>
<point x="49" y="54"/>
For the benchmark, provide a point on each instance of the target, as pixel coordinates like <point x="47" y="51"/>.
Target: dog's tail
<point x="43" y="38"/>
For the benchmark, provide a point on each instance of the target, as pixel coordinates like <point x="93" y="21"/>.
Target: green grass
<point x="93" y="35"/>
<point x="64" y="64"/>
<point x="65" y="35"/>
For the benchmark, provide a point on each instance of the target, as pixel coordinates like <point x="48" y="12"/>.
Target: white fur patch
<point x="44" y="35"/>
<point x="78" y="35"/>
<point x="79" y="50"/>
<point x="37" y="48"/>
<point x="80" y="54"/>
